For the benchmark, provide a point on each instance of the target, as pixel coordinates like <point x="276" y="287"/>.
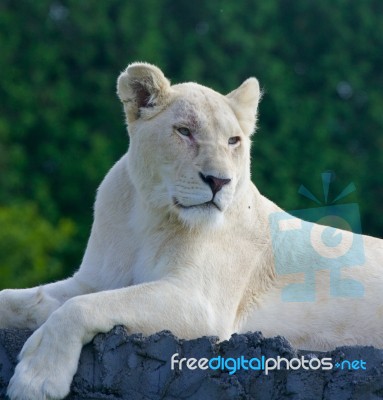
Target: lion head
<point x="189" y="151"/>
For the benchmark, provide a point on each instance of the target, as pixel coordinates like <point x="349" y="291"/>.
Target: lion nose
<point x="216" y="184"/>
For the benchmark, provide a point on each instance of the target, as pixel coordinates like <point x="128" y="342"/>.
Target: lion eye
<point x="234" y="140"/>
<point x="184" y="132"/>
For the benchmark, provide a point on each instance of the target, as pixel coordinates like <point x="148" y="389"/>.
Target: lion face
<point x="189" y="145"/>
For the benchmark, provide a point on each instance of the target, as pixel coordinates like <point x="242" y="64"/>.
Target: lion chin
<point x="203" y="216"/>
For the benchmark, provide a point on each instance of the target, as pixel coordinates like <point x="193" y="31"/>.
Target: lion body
<point x="182" y="240"/>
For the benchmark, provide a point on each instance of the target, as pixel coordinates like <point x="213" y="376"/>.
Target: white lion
<point x="182" y="240"/>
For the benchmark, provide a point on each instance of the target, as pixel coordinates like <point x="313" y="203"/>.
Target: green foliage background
<point x="61" y="126"/>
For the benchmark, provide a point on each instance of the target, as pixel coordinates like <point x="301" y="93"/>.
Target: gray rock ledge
<point x="117" y="365"/>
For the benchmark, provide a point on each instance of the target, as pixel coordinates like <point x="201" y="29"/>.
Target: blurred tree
<point x="61" y="125"/>
<point x="31" y="248"/>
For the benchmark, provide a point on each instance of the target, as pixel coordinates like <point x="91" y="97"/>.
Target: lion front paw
<point x="46" y="367"/>
<point x="25" y="308"/>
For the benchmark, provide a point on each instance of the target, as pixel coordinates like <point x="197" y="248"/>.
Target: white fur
<point x="151" y="264"/>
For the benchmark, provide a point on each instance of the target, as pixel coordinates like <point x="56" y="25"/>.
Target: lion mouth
<point x="207" y="204"/>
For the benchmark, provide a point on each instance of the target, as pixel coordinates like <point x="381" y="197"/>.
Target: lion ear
<point x="141" y="88"/>
<point x="244" y="101"/>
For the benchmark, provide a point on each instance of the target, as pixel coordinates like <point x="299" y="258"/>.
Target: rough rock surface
<point x="117" y="365"/>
